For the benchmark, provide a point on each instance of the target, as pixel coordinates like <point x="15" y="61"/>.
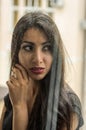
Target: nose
<point x="37" y="57"/>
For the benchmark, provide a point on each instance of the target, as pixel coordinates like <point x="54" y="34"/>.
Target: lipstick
<point x="37" y="70"/>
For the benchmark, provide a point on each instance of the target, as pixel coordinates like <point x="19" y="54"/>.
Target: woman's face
<point x="35" y="53"/>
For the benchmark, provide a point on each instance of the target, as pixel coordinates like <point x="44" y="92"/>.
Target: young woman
<point x="37" y="55"/>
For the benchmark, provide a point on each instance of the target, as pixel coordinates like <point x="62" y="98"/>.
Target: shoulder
<point x="76" y="104"/>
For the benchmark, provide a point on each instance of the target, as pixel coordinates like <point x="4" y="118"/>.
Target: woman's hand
<point x="22" y="95"/>
<point x="21" y="87"/>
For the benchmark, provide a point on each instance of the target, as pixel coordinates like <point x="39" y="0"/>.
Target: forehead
<point x="36" y="33"/>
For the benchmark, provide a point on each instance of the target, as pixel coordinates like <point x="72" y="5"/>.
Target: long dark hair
<point x="44" y="23"/>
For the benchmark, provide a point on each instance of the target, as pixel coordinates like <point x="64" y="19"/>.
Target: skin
<point x="23" y="89"/>
<point x="35" y="52"/>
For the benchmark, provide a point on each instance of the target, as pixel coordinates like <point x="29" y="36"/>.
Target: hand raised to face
<point x="21" y="87"/>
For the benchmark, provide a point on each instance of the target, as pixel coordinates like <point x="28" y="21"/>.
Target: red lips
<point x="37" y="70"/>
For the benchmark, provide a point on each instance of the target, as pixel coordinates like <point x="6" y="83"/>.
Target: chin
<point x="37" y="77"/>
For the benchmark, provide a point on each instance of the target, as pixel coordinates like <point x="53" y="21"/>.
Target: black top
<point x="76" y="105"/>
<point x="7" y="122"/>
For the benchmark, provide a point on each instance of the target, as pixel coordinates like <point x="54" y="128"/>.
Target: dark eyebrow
<point x="47" y="42"/>
<point x="29" y="42"/>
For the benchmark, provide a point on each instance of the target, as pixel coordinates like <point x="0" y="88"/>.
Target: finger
<point x="13" y="83"/>
<point x="13" y="74"/>
<point x="23" y="70"/>
<point x="17" y="73"/>
<point x="13" y="80"/>
<point x="10" y="85"/>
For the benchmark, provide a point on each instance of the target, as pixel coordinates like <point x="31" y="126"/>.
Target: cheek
<point x="22" y="59"/>
<point x="49" y="60"/>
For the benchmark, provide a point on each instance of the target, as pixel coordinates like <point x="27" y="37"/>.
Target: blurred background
<point x="70" y="16"/>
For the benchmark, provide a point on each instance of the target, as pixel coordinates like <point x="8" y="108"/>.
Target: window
<point x="20" y="7"/>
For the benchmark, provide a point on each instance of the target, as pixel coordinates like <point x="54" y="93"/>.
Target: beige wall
<point x="68" y="20"/>
<point x="4" y="40"/>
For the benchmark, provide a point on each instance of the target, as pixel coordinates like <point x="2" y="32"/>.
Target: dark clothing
<point x="76" y="105"/>
<point x="7" y="123"/>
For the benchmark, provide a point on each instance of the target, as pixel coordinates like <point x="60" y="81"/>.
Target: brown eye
<point x="28" y="48"/>
<point x="47" y="48"/>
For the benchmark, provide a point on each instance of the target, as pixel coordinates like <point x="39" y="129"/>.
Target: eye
<point x="27" y="48"/>
<point x="47" y="48"/>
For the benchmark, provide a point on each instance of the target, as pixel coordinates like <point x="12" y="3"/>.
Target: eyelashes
<point x="30" y="48"/>
<point x="27" y="47"/>
<point x="47" y="48"/>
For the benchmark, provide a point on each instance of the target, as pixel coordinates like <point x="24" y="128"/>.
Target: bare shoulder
<point x="76" y="106"/>
<point x="74" y="121"/>
<point x="2" y="116"/>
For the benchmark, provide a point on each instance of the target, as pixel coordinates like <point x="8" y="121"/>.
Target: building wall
<point x="68" y="20"/>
